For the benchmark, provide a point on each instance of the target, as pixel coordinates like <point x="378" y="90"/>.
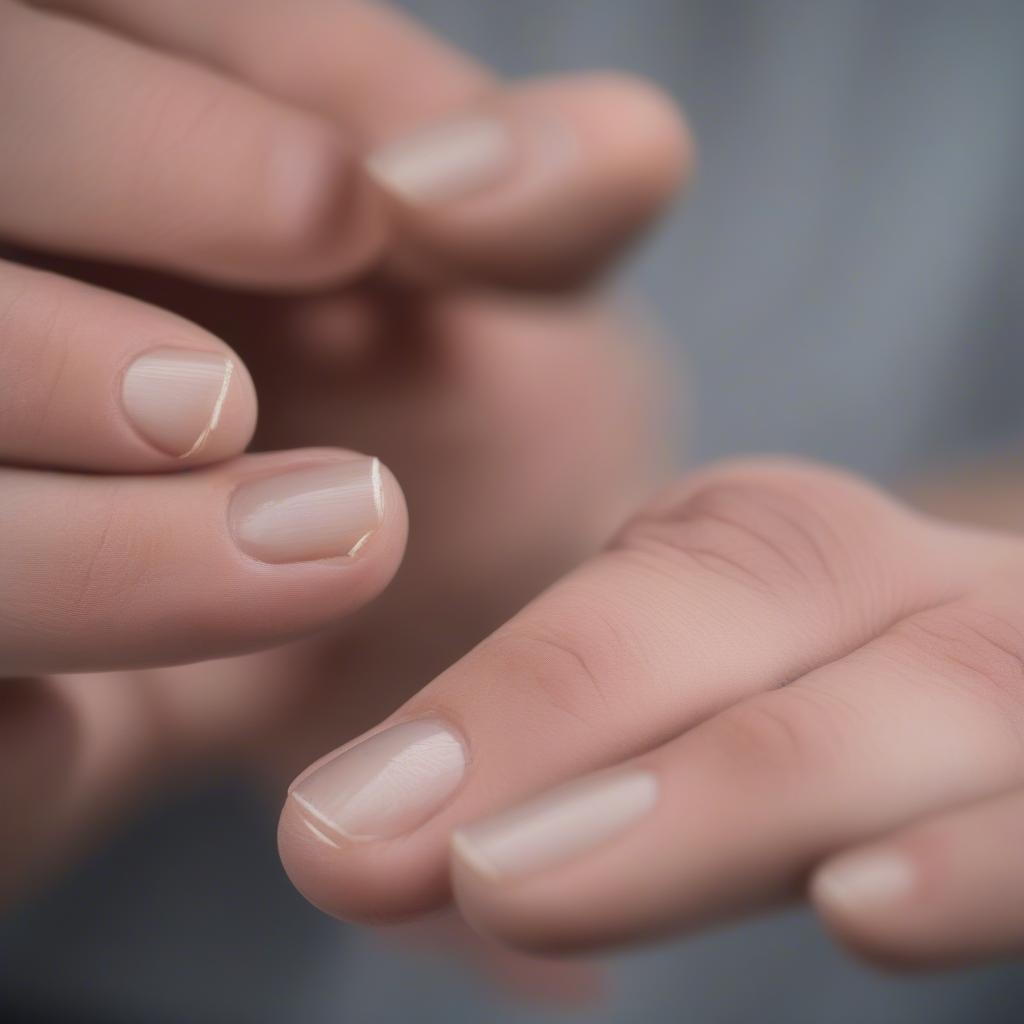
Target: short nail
<point x="445" y="161"/>
<point x="173" y="397"/>
<point x="864" y="881"/>
<point x="386" y="784"/>
<point x="306" y="514"/>
<point x="556" y="827"/>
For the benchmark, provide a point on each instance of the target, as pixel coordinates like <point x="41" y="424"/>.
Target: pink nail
<point x="174" y="397"/>
<point x="386" y="784"/>
<point x="324" y="511"/>
<point x="558" y="826"/>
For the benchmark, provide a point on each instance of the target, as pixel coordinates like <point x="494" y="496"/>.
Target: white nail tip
<point x="444" y="161"/>
<point x="556" y="827"/>
<point x="218" y="407"/>
<point x="377" y="483"/>
<point x="377" y="486"/>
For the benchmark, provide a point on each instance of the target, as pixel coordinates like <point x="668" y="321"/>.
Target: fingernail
<point x="444" y="161"/>
<point x="386" y="785"/>
<point x="306" y="514"/>
<point x="556" y="827"/>
<point x="173" y="397"/>
<point x="864" y="881"/>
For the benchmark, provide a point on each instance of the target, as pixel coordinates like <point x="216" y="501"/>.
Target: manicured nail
<point x="864" y="881"/>
<point x="306" y="514"/>
<point x="444" y="161"/>
<point x="556" y="827"/>
<point x="385" y="785"/>
<point x="174" y="397"/>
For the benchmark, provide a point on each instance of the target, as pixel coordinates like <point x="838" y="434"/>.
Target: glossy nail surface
<point x="556" y="827"/>
<point x="384" y="785"/>
<point x="173" y="397"/>
<point x="864" y="881"/>
<point x="444" y="161"/>
<point x="317" y="512"/>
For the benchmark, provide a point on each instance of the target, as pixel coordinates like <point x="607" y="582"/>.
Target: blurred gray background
<point x="846" y="274"/>
<point x="846" y="281"/>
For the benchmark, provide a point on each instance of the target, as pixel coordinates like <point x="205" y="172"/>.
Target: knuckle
<point x="172" y="115"/>
<point x="280" y="181"/>
<point x="566" y="672"/>
<point x="977" y="644"/>
<point x="35" y="348"/>
<point x="772" y="530"/>
<point x="81" y="572"/>
<point x="781" y="735"/>
<point x="110" y="559"/>
<point x="313" y="171"/>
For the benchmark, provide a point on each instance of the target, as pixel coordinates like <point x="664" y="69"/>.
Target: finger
<point x="939" y="893"/>
<point x="732" y="816"/>
<point x="534" y="184"/>
<point x="74" y="750"/>
<point x="93" y="380"/>
<point x="77" y="751"/>
<point x="175" y="166"/>
<point x="541" y="184"/>
<point x="131" y="571"/>
<point x="726" y="587"/>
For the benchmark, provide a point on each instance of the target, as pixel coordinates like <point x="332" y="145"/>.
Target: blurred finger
<point x="939" y="893"/>
<point x="536" y="184"/>
<point x="183" y="169"/>
<point x="72" y="751"/>
<point x="93" y="380"/>
<point x="541" y="184"/>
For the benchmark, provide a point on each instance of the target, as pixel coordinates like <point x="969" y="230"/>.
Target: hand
<point x="164" y="156"/>
<point x="776" y="681"/>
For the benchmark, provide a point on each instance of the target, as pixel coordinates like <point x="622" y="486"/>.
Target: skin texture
<point x="231" y="214"/>
<point x="812" y="688"/>
<point x="775" y="681"/>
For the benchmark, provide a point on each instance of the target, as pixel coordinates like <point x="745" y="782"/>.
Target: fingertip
<point x="360" y="882"/>
<point x="625" y="148"/>
<point x="538" y="185"/>
<point x="645" y="130"/>
<point x="516" y="916"/>
<point x="231" y="421"/>
<point x="866" y="900"/>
